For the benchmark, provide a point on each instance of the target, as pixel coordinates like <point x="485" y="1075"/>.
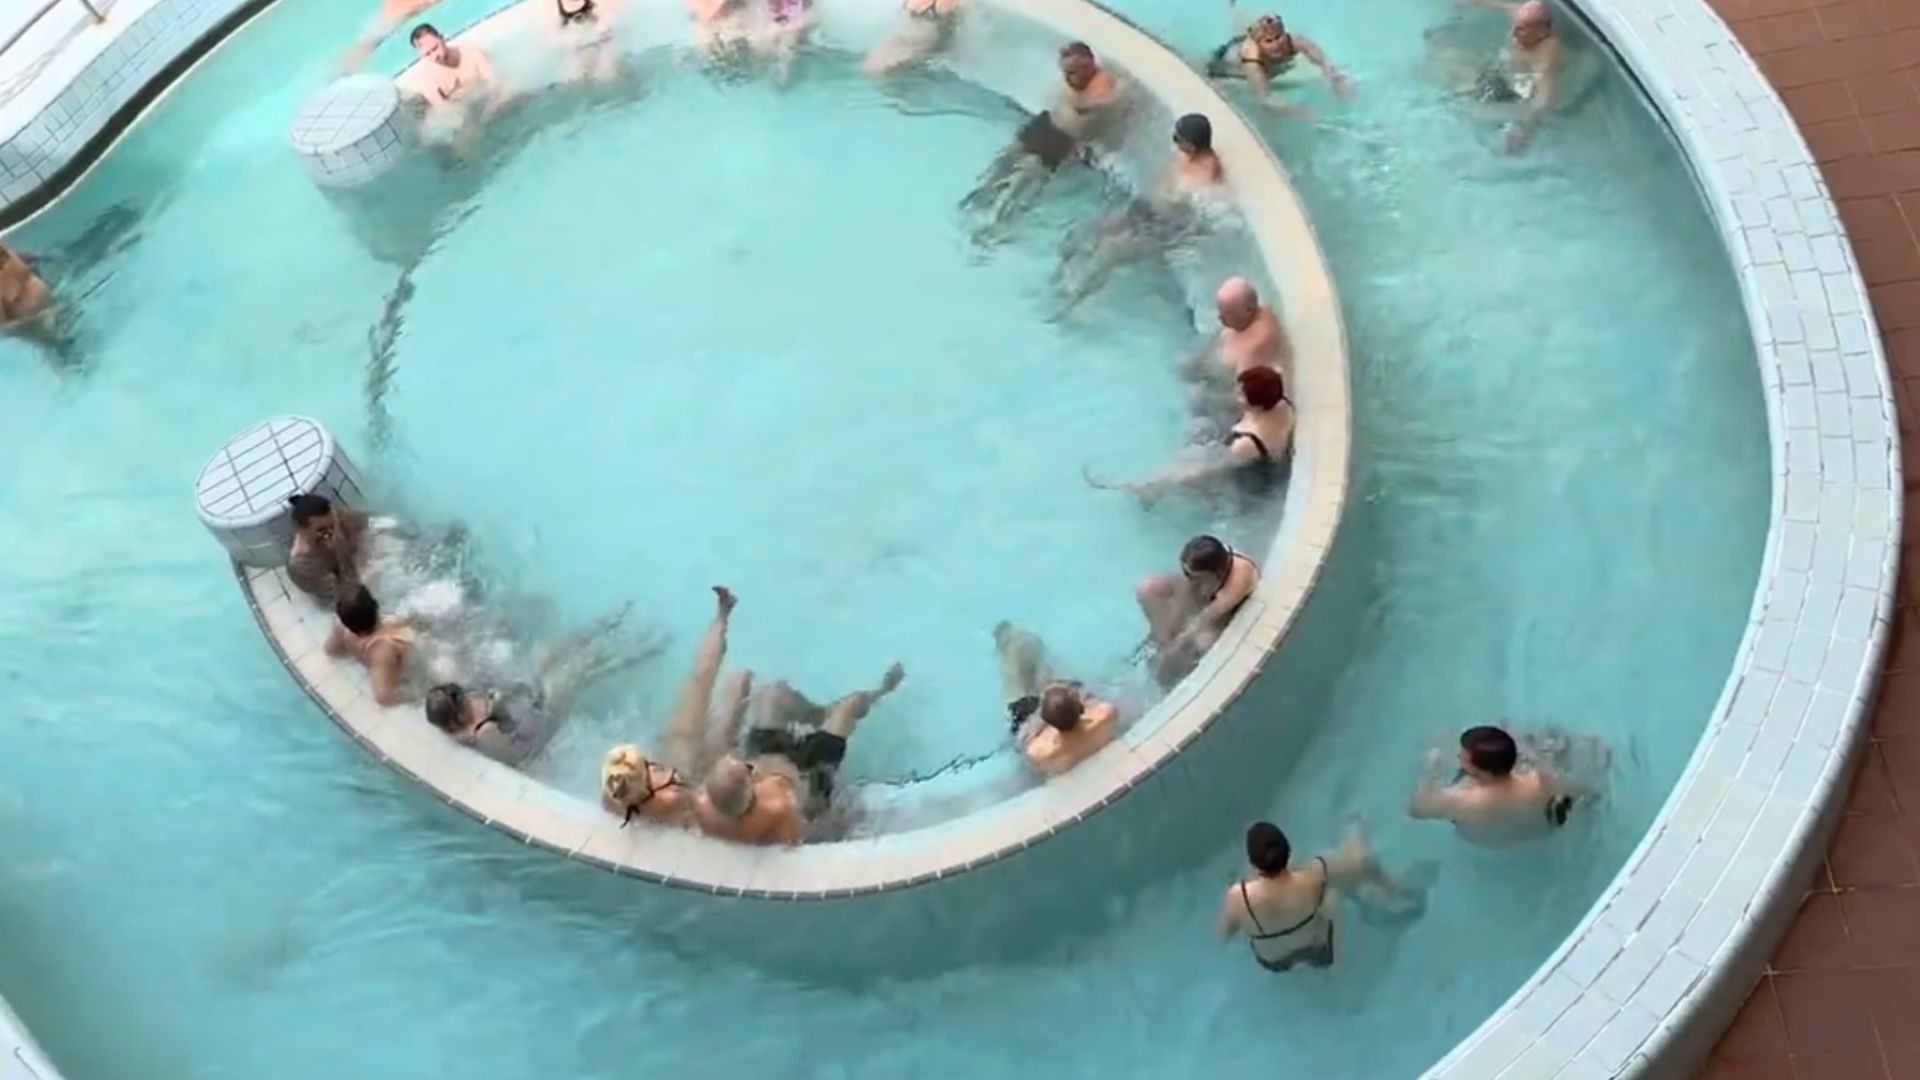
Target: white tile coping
<point x="1652" y="976"/>
<point x="20" y="1057"/>
<point x="574" y="827"/>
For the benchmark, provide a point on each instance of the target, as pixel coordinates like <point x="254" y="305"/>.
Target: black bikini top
<point x="582" y="13"/>
<point x="673" y="781"/>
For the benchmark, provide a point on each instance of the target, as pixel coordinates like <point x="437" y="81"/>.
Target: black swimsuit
<point x="1318" y="954"/>
<point x="1259" y="477"/>
<point x="673" y="781"/>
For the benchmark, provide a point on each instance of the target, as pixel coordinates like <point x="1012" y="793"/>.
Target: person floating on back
<point x="383" y="646"/>
<point x="1185" y="614"/>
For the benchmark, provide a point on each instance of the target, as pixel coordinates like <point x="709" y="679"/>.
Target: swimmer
<point x="1524" y="72"/>
<point x="784" y="28"/>
<point x="382" y="646"/>
<point x="1267" y="51"/>
<point x="1495" y="798"/>
<point x="695" y="737"/>
<point x="513" y="724"/>
<point x="1166" y="217"/>
<point x="1287" y="912"/>
<point x="720" y="29"/>
<point x="1186" y="614"/>
<point x="584" y="35"/>
<point x="926" y="30"/>
<point x="324" y="560"/>
<point x="462" y="77"/>
<point x="1058" y="722"/>
<point x="784" y="774"/>
<point x="1085" y="108"/>
<point x="1253" y="453"/>
<point x="23" y="296"/>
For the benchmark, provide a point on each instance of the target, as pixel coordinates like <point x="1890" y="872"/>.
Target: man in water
<point x="382" y="646"/>
<point x="1059" y="722"/>
<point x="1250" y="336"/>
<point x="513" y="724"/>
<point x="1186" y="614"/>
<point x="1086" y="108"/>
<point x="1174" y="212"/>
<point x="1523" y="73"/>
<point x="1494" y="799"/>
<point x="324" y="561"/>
<point x="784" y="775"/>
<point x="1286" y="912"/>
<point x="460" y="78"/>
<point x="695" y="736"/>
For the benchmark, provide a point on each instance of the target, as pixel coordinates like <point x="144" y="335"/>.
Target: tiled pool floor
<point x="1841" y="999"/>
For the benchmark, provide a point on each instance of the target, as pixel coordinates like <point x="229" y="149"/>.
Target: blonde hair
<point x="623" y="776"/>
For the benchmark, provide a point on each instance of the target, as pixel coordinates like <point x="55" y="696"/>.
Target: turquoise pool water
<point x="1559" y="504"/>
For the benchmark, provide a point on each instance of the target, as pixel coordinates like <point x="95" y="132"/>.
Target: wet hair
<point x="1490" y="749"/>
<point x="1061" y="707"/>
<point x="443" y="706"/>
<point x="623" y="775"/>
<point x="424" y="30"/>
<point x="1268" y="24"/>
<point x="1076" y="49"/>
<point x="358" y="611"/>
<point x="1263" y="387"/>
<point x="1267" y="848"/>
<point x="1206" y="555"/>
<point x="1195" y="130"/>
<point x="307" y="507"/>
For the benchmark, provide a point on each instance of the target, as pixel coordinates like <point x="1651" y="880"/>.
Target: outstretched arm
<point x="1336" y="78"/>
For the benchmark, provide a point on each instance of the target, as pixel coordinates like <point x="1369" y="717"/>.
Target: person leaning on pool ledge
<point x="1254" y="453"/>
<point x="784" y="775"/>
<point x="383" y="646"/>
<point x="1267" y="50"/>
<point x="1495" y="798"/>
<point x="1057" y="722"/>
<point x="1185" y="614"/>
<point x="324" y="561"/>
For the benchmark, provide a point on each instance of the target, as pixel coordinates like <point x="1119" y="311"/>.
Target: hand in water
<point x="1342" y="86"/>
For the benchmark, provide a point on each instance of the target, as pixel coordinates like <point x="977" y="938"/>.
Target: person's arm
<point x="338" y="644"/>
<point x="1432" y="798"/>
<point x="1520" y="132"/>
<point x="1228" y="924"/>
<point x="383" y="671"/>
<point x="1241" y="579"/>
<point x="496" y="91"/>
<point x="1194" y="471"/>
<point x="1336" y="79"/>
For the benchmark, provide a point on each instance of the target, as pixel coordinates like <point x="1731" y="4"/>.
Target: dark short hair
<point x="1195" y="130"/>
<point x="443" y="706"/>
<point x="1061" y="707"/>
<point x="1490" y="749"/>
<point x="1207" y="555"/>
<point x="1263" y="386"/>
<point x="423" y="30"/>
<point x="358" y="611"/>
<point x="307" y="507"/>
<point x="1267" y="848"/>
<point x="1076" y="49"/>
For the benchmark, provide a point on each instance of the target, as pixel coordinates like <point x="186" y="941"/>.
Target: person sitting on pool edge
<point x="1495" y="798"/>
<point x="1072" y="724"/>
<point x="1087" y="104"/>
<point x="1267" y="51"/>
<point x="324" y="561"/>
<point x="1287" y="913"/>
<point x="695" y="737"/>
<point x="381" y="645"/>
<point x="784" y="775"/>
<point x="1186" y="614"/>
<point x="1253" y="453"/>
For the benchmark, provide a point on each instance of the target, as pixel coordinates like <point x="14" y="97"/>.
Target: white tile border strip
<point x="18" y="1048"/>
<point x="1656" y="971"/>
<point x="1316" y="495"/>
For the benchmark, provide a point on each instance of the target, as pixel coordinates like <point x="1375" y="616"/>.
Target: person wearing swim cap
<point x="1150" y="225"/>
<point x="1498" y="796"/>
<point x="1267" y="51"/>
<point x="1524" y="73"/>
<point x="1086" y="109"/>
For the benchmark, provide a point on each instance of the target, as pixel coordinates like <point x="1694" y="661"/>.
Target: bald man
<point x="1526" y="69"/>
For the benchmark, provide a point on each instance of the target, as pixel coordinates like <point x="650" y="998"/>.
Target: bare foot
<point x="891" y="680"/>
<point x="726" y="598"/>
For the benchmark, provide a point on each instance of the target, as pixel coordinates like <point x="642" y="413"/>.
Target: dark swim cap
<point x="1194" y="130"/>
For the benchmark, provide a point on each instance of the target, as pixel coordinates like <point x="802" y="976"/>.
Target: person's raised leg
<point x="1163" y="600"/>
<point x="683" y="743"/>
<point x="846" y="713"/>
<point x="1023" y="664"/>
<point x="723" y="732"/>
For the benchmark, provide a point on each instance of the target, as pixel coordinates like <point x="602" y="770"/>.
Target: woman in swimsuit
<point x="1253" y="453"/>
<point x="632" y="786"/>
<point x="926" y="30"/>
<point x="381" y="645"/>
<point x="1267" y="51"/>
<point x="1287" y="912"/>
<point x="585" y="38"/>
<point x="1186" y="614"/>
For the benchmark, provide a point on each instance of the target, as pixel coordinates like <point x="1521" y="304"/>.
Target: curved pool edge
<point x="1663" y="961"/>
<point x="533" y="813"/>
<point x="18" y="1048"/>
